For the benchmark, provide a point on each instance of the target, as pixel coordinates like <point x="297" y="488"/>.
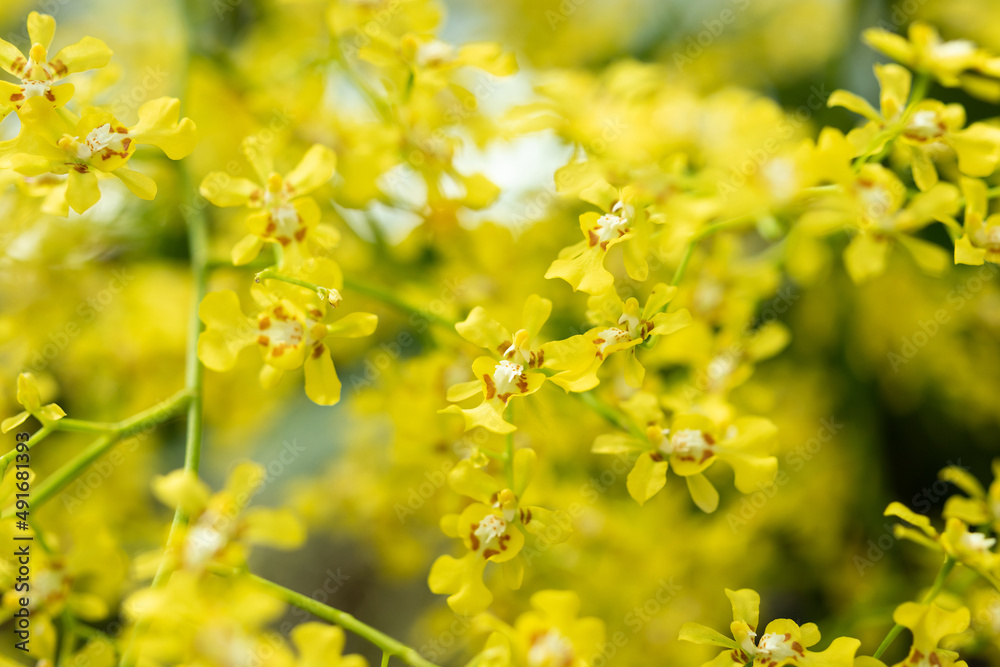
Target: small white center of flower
<point x="686" y="442"/>
<point x="958" y="48"/>
<point x="610" y="227"/>
<point x="775" y="647"/>
<point x="97" y="140"/>
<point x="286" y="218"/>
<point x="993" y="239"/>
<point x="490" y="529"/>
<point x="46" y="586"/>
<point x="779" y="174"/>
<point x="34" y="88"/>
<point x="924" y="125"/>
<point x="203" y="541"/>
<point x="289" y="332"/>
<point x="612" y="336"/>
<point x="550" y="650"/>
<point x="977" y="542"/>
<point x="506" y="376"/>
<point x="434" y="52"/>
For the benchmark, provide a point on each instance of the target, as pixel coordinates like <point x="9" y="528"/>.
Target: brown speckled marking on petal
<point x="472" y="537"/>
<point x="59" y="67"/>
<point x="263" y="340"/>
<point x="522" y="383"/>
<point x="489" y="552"/>
<point x="264" y="323"/>
<point x="284" y="240"/>
<point x="591" y="238"/>
<point x="318" y="350"/>
<point x="491" y="389"/>
<point x="300" y="234"/>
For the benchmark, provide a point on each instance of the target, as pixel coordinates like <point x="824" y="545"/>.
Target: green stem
<point x="194" y="378"/>
<point x="608" y="412"/>
<point x="388" y="645"/>
<point x="35" y="438"/>
<point x="137" y="423"/>
<point x="391" y="299"/>
<point x="67" y="637"/>
<point x="707" y="231"/>
<point x="942" y="575"/>
<point x="83" y="426"/>
<point x="270" y="274"/>
<point x="385" y="659"/>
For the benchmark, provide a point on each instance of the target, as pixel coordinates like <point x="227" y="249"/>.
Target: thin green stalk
<point x="389" y="646"/>
<point x="83" y="426"/>
<point x="707" y="231"/>
<point x="385" y="659"/>
<point x="35" y="438"/>
<point x="608" y="412"/>
<point x="137" y="423"/>
<point x="942" y="575"/>
<point x="67" y="637"/>
<point x="270" y="274"/>
<point x="387" y="297"/>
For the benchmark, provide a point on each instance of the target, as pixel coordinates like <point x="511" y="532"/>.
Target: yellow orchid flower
<point x="289" y="331"/>
<point x="582" y="264"/>
<point x="929" y="624"/>
<point x="490" y="529"/>
<point x="952" y="63"/>
<point x="982" y="506"/>
<point x="30" y="399"/>
<point x="980" y="241"/>
<point x="690" y="445"/>
<point x="281" y="212"/>
<point x="96" y="143"/>
<point x="522" y="347"/>
<point x="622" y="325"/>
<point x="784" y="641"/>
<point x="551" y="634"/>
<point x="972" y="549"/>
<point x="221" y="527"/>
<point x="925" y="130"/>
<point x="39" y="75"/>
<point x="873" y="204"/>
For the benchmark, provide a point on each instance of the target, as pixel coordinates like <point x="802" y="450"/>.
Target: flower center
<point x="924" y="126"/>
<point x="611" y="227"/>
<point x="775" y="647"/>
<point x="688" y="444"/>
<point x="507" y="377"/>
<point x="34" y="88"/>
<point x="203" y="541"/>
<point x="957" y="48"/>
<point x="608" y="337"/>
<point x="434" y="52"/>
<point x="551" y="649"/>
<point x="101" y="139"/>
<point x="977" y="542"/>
